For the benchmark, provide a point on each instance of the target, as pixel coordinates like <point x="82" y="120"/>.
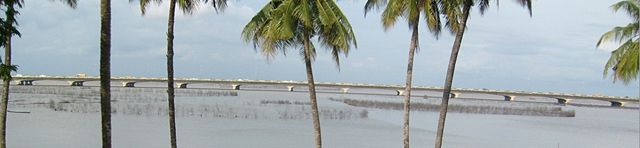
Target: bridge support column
<point x="345" y="90"/>
<point x="399" y="92"/>
<point x="235" y="86"/>
<point x="76" y="83"/>
<point x="616" y="104"/>
<point x="182" y="85"/>
<point x="290" y="88"/>
<point x="509" y="98"/>
<point x="455" y="95"/>
<point x="26" y="82"/>
<point x="128" y="84"/>
<point x="563" y="101"/>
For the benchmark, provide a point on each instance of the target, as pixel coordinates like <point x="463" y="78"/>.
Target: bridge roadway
<point x="562" y="98"/>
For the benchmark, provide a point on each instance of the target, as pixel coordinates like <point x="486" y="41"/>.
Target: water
<point x="63" y="116"/>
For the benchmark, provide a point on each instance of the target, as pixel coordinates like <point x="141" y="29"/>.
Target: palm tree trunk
<point x="105" y="71"/>
<point x="170" y="86"/>
<point x="5" y="92"/>
<point x="312" y="92"/>
<point x="10" y="13"/>
<point x="449" y="80"/>
<point x="407" y="87"/>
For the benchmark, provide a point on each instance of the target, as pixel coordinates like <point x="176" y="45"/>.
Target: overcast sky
<point x="505" y="49"/>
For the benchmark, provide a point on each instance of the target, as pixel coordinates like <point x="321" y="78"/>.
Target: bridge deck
<point x="343" y="85"/>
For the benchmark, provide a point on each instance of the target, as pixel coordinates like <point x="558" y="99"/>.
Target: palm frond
<point x="272" y="29"/>
<point x="526" y="4"/>
<point x="624" y="62"/>
<point x="432" y="17"/>
<point x="70" y="3"/>
<point x="452" y="13"/>
<point x="413" y="12"/>
<point x="338" y="36"/>
<point x="10" y="12"/>
<point x="373" y="4"/>
<point x="303" y="13"/>
<point x="188" y="6"/>
<point x="5" y="71"/>
<point x="483" y="5"/>
<point x="283" y="24"/>
<point x="392" y="12"/>
<point x="218" y="5"/>
<point x="620" y="33"/>
<point x="631" y="7"/>
<point x="145" y="3"/>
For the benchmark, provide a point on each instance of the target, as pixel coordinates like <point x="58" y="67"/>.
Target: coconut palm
<point x="458" y="11"/>
<point x="411" y="10"/>
<point x="187" y="6"/>
<point x="7" y="31"/>
<point x="624" y="59"/>
<point x="105" y="71"/>
<point x="285" y="24"/>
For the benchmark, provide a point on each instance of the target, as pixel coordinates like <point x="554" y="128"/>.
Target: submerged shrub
<point x="471" y="109"/>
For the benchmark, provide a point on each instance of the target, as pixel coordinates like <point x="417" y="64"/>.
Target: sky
<point x="551" y="51"/>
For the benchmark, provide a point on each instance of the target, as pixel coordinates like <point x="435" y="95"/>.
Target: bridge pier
<point x="290" y="88"/>
<point x="235" y="86"/>
<point x="617" y="104"/>
<point x="345" y="90"/>
<point x="76" y="83"/>
<point x="26" y="82"/>
<point x="399" y="92"/>
<point x="563" y="101"/>
<point x="182" y="85"/>
<point x="128" y="84"/>
<point x="455" y="95"/>
<point x="509" y="98"/>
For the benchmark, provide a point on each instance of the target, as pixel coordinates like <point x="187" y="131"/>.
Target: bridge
<point x="562" y="98"/>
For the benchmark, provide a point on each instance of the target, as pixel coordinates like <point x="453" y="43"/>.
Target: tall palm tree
<point x="283" y="24"/>
<point x="187" y="6"/>
<point x="452" y="10"/>
<point x="8" y="30"/>
<point x="105" y="71"/>
<point x="411" y="10"/>
<point x="624" y="60"/>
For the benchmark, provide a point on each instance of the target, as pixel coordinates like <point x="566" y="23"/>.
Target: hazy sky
<point x="505" y="49"/>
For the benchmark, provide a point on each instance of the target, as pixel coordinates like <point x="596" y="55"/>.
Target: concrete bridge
<point x="562" y="98"/>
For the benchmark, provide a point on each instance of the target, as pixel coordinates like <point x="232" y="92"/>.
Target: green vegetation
<point x="411" y="10"/>
<point x="285" y="24"/>
<point x="282" y="25"/>
<point x="187" y="6"/>
<point x="623" y="61"/>
<point x="457" y="11"/>
<point x="8" y="28"/>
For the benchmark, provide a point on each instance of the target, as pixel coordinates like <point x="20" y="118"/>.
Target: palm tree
<point x="283" y="24"/>
<point x="105" y="71"/>
<point x="187" y="6"/>
<point x="624" y="60"/>
<point x="8" y="30"/>
<point x="411" y="10"/>
<point x="451" y="9"/>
